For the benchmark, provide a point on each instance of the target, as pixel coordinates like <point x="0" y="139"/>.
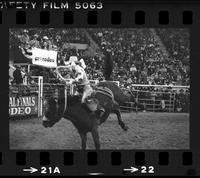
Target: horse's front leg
<point x="95" y="135"/>
<point x="121" y="123"/>
<point x="83" y="140"/>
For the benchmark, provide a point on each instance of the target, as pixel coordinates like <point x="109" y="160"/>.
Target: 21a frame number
<point x="50" y="170"/>
<point x="147" y="170"/>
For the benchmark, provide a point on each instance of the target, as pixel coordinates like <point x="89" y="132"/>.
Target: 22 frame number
<point x="147" y="170"/>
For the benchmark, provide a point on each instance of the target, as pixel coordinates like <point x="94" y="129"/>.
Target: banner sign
<point x="42" y="57"/>
<point x="27" y="105"/>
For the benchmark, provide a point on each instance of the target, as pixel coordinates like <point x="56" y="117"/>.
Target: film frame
<point x="182" y="14"/>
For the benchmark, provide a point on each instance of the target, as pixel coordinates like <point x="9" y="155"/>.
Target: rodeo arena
<point x="139" y="78"/>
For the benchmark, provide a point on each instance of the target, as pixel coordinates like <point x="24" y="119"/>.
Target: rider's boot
<point x="101" y="111"/>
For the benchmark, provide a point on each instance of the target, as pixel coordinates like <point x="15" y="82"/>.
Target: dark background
<point x="128" y="9"/>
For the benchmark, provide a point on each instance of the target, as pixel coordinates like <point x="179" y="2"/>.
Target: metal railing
<point x="153" y="101"/>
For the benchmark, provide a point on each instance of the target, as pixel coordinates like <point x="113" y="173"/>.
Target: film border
<point x="180" y="162"/>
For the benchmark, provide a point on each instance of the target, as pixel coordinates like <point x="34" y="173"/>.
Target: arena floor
<point x="146" y="131"/>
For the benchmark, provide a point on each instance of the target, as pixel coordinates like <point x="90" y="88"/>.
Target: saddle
<point x="93" y="103"/>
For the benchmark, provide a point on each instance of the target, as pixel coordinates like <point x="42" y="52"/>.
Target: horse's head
<point x="54" y="110"/>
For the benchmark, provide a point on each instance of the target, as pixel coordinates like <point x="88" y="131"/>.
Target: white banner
<point x="43" y="57"/>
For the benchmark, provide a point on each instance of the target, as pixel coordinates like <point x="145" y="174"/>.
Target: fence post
<point x="40" y="95"/>
<point x="154" y="99"/>
<point x="174" y="102"/>
<point x="65" y="97"/>
<point x="170" y="101"/>
<point x="137" y="102"/>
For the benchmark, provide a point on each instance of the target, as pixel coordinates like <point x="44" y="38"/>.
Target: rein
<point x="56" y="71"/>
<point x="65" y="107"/>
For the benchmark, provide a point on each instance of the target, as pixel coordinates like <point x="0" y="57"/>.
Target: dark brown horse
<point x="81" y="116"/>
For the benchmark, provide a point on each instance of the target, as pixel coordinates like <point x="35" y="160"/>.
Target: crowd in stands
<point x="178" y="45"/>
<point x="138" y="57"/>
<point x="49" y="38"/>
<point x="137" y="53"/>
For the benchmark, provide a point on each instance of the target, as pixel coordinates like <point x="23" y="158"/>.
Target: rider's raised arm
<point x="26" y="53"/>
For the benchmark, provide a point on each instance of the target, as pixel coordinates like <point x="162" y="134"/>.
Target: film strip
<point x="27" y="148"/>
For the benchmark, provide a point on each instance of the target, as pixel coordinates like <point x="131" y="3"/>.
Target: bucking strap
<point x="104" y="90"/>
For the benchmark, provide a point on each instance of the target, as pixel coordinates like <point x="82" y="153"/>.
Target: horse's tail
<point x="119" y="96"/>
<point x="108" y="66"/>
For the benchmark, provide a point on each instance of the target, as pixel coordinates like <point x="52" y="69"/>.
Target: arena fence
<point x="150" y="96"/>
<point x="162" y="98"/>
<point x="152" y="101"/>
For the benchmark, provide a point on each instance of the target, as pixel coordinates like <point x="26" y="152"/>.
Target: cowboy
<point x="81" y="78"/>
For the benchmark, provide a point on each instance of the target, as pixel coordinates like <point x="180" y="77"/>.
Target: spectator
<point x="18" y="79"/>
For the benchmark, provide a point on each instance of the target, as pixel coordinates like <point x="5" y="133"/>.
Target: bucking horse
<point x="80" y="114"/>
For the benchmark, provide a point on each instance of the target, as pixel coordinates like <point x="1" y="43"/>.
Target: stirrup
<point x="102" y="111"/>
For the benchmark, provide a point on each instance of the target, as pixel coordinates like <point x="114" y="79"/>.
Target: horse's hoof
<point x="125" y="128"/>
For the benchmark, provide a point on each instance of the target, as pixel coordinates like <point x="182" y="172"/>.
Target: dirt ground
<point x="146" y="131"/>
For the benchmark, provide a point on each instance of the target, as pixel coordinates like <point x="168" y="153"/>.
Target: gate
<point x="156" y="101"/>
<point x="152" y="101"/>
